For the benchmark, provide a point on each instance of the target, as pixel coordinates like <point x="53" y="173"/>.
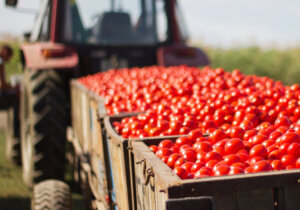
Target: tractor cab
<point x="116" y="33"/>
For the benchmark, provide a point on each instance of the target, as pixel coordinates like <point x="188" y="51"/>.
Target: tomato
<point x="213" y="156"/>
<point x="190" y="156"/>
<point x="221" y="170"/>
<point x="172" y="159"/>
<point x="277" y="165"/>
<point x="258" y="150"/>
<point x="275" y="135"/>
<point x="260" y="166"/>
<point x="182" y="140"/>
<point x="166" y="144"/>
<point x="232" y="158"/>
<point x="194" y="134"/>
<point x="233" y="146"/>
<point x="179" y="162"/>
<point x="165" y="159"/>
<point x="297" y="164"/>
<point x="187" y="166"/>
<point x="181" y="172"/>
<point x="258" y="139"/>
<point x="248" y="134"/>
<point x="238" y="165"/>
<point x="254" y="160"/>
<point x="202" y="147"/>
<point x="288" y="160"/>
<point x="282" y="150"/>
<point x="163" y="152"/>
<point x="248" y="170"/>
<point x="268" y="143"/>
<point x="236" y="170"/>
<point x="196" y="166"/>
<point x="236" y="132"/>
<point x="153" y="148"/>
<point x="288" y="138"/>
<point x="175" y="149"/>
<point x="203" y="172"/>
<point x="211" y="163"/>
<point x="294" y="149"/>
<point x="217" y="135"/>
<point x="282" y="121"/>
<point x="273" y="155"/>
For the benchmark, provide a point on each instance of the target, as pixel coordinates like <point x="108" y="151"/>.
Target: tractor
<point x="73" y="38"/>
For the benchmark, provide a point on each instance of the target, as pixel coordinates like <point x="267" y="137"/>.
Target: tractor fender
<point x="48" y="55"/>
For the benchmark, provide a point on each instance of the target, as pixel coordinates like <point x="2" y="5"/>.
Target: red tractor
<point x="73" y="38"/>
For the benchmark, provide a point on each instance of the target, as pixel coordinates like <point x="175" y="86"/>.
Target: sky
<point x="220" y="23"/>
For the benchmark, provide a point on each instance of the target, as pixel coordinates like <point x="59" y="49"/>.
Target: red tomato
<point x="179" y="162"/>
<point x="163" y="152"/>
<point x="236" y="170"/>
<point x="258" y="150"/>
<point x="288" y="160"/>
<point x="211" y="163"/>
<point x="190" y="156"/>
<point x="258" y="139"/>
<point x="187" y="166"/>
<point x="194" y="134"/>
<point x="277" y="165"/>
<point x="181" y="172"/>
<point x="203" y="172"/>
<point x="221" y="170"/>
<point x="248" y="170"/>
<point x="153" y="148"/>
<point x="236" y="132"/>
<point x="232" y="158"/>
<point x="248" y="134"/>
<point x="213" y="156"/>
<point x="260" y="166"/>
<point x="166" y="144"/>
<point x="238" y="165"/>
<point x="202" y="147"/>
<point x="172" y="159"/>
<point x="282" y="121"/>
<point x="183" y="140"/>
<point x="294" y="149"/>
<point x="196" y="166"/>
<point x="232" y="146"/>
<point x="217" y="135"/>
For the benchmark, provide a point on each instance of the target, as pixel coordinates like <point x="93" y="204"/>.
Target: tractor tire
<point x="51" y="195"/>
<point x="13" y="148"/>
<point x="43" y="126"/>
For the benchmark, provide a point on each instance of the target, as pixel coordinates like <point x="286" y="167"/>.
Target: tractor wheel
<point x="51" y="195"/>
<point x="43" y="126"/>
<point x="13" y="148"/>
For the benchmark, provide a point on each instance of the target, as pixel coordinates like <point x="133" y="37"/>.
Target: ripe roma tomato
<point x="221" y="170"/>
<point x="181" y="172"/>
<point x="258" y="150"/>
<point x="260" y="166"/>
<point x="232" y="146"/>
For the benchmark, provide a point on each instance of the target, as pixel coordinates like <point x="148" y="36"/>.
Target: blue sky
<point x="221" y="23"/>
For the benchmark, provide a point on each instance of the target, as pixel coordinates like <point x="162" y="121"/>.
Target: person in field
<point x="5" y="55"/>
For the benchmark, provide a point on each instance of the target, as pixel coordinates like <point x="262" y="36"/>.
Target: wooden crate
<point x="88" y="136"/>
<point x="156" y="187"/>
<point x="120" y="162"/>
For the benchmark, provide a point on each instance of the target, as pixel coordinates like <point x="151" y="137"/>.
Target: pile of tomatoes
<point x="230" y="123"/>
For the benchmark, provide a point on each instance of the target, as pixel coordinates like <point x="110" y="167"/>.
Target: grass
<point x="14" y="195"/>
